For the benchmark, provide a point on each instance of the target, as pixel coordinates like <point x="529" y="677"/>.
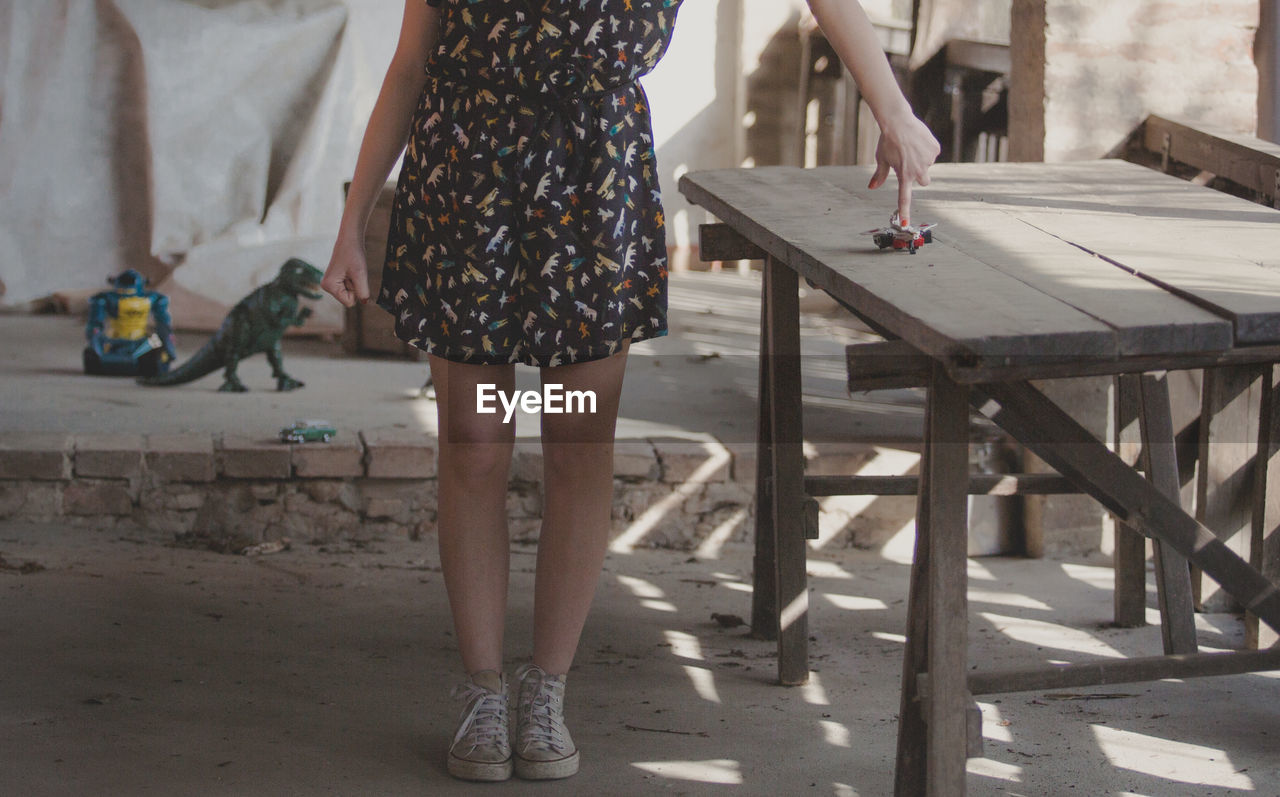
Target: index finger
<point x="904" y="200"/>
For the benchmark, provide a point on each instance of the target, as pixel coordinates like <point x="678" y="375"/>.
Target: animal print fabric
<point x="528" y="224"/>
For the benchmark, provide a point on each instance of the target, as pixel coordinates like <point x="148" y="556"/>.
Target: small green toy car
<point x="308" y="431"/>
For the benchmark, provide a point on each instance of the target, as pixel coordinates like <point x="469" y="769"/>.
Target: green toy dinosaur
<point x="254" y="325"/>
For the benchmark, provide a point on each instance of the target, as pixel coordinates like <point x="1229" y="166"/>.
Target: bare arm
<point x="906" y="145"/>
<point x="347" y="276"/>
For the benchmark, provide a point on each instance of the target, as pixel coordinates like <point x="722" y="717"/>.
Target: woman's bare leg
<point x="577" y="456"/>
<point x="475" y="553"/>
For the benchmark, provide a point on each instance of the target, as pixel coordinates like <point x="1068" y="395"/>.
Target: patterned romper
<point x="528" y="225"/>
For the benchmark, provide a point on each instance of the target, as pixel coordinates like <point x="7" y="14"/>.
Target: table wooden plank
<point x="926" y="300"/>
<point x="1223" y="283"/>
<point x="1147" y="318"/>
<point x="1210" y="245"/>
<point x="1137" y="189"/>
<point x="1223" y="224"/>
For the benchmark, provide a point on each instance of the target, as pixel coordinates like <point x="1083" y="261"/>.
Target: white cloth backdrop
<point x="203" y="142"/>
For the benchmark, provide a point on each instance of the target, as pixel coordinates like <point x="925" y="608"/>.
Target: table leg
<point x="947" y="497"/>
<point x="764" y="587"/>
<point x="1264" y="544"/>
<point x="1228" y="431"/>
<point x="1160" y="460"/>
<point x="1130" y="599"/>
<point x="913" y="743"/>
<point x="932" y="743"/>
<point x="783" y="333"/>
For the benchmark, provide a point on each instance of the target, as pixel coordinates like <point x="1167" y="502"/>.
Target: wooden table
<point x="1037" y="271"/>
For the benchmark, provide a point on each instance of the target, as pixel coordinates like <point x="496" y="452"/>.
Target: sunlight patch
<point x="813" y="692"/>
<point x="710" y="547"/>
<point x="1103" y="578"/>
<point x="716" y="770"/>
<point x="687" y="646"/>
<point x="835" y="734"/>
<point x="901" y="547"/>
<point x="996" y="770"/>
<point x="855" y="603"/>
<point x="658" y="606"/>
<point x="1168" y="759"/>
<point x="1012" y="599"/>
<point x="641" y="588"/>
<point x="1050" y="636"/>
<point x="993" y="725"/>
<point x="818" y="568"/>
<point x="888" y="637"/>
<point x="717" y="457"/>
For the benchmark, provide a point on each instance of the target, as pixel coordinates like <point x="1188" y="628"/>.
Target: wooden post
<point x="1173" y="575"/>
<point x="944" y="491"/>
<point x="913" y="742"/>
<point x="764" y="581"/>
<point x="783" y="335"/>
<point x="1130" y="598"/>
<point x="1228" y="434"/>
<point x="1264" y="543"/>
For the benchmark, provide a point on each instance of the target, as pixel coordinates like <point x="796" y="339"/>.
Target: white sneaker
<point x="481" y="748"/>
<point x="544" y="748"/>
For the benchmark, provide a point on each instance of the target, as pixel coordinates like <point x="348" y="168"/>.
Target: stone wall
<point x="229" y="492"/>
<point x="1086" y="72"/>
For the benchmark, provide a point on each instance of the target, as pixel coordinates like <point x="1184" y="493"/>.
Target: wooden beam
<point x="1120" y="671"/>
<point x="977" y="370"/>
<point x="1243" y="159"/>
<point x="895" y="363"/>
<point x="722" y="242"/>
<point x="979" y="484"/>
<point x="885" y="364"/>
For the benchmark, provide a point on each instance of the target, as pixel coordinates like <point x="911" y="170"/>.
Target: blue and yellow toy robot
<point x="120" y="343"/>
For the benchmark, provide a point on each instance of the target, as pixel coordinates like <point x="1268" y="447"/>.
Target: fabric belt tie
<point x="549" y="89"/>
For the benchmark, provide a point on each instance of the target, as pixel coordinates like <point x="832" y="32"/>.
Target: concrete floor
<point x="131" y="667"/>
<point x="136" y="668"/>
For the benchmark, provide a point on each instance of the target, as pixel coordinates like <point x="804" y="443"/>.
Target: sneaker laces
<point x="541" y="712"/>
<point x="486" y="722"/>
